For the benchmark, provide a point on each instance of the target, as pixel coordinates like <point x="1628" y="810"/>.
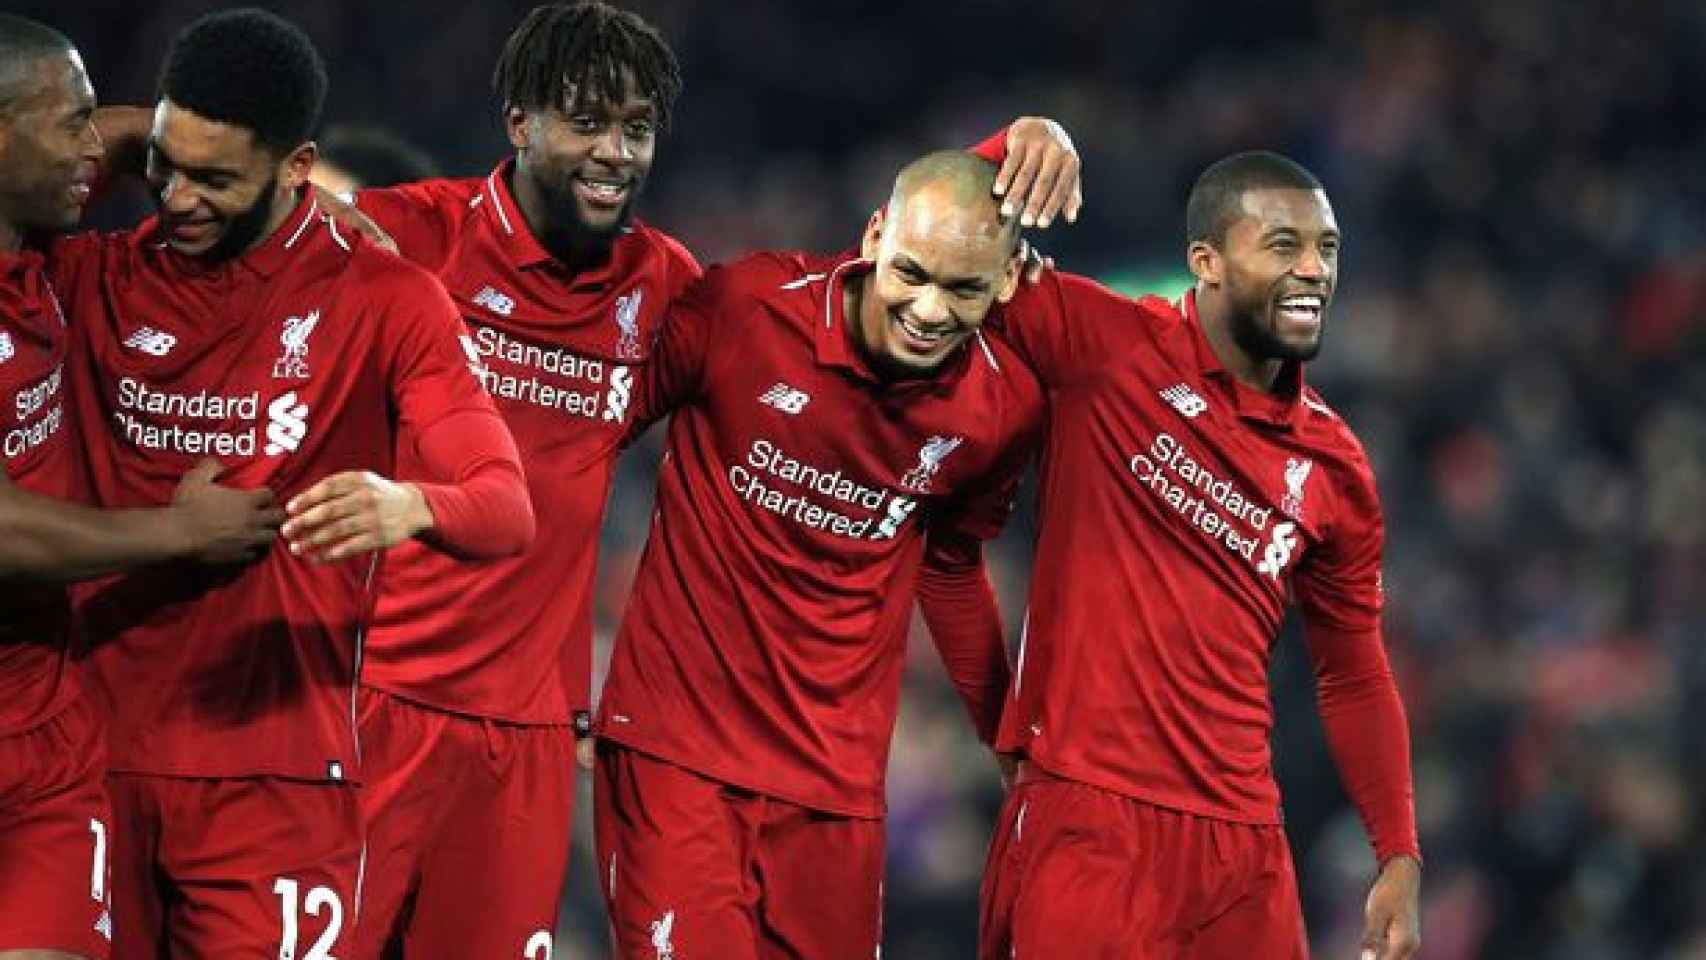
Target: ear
<point x="873" y="234"/>
<point x="297" y="166"/>
<point x="518" y="124"/>
<point x="1010" y="274"/>
<point x="1205" y="262"/>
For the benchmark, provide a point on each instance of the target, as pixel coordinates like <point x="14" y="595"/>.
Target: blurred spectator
<point x="352" y="157"/>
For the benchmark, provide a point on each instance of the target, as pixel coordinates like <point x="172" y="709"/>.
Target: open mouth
<point x="602" y="191"/>
<point x="189" y="231"/>
<point x="80" y="192"/>
<point x="918" y="338"/>
<point x="1302" y="309"/>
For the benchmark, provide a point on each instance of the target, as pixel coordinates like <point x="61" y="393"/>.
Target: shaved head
<point x="957" y="182"/>
<point x="23" y="43"/>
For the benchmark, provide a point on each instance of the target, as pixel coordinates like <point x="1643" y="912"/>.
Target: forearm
<point x="1368" y="735"/>
<point x="959" y="607"/>
<point x="483" y="511"/>
<point x="46" y="539"/>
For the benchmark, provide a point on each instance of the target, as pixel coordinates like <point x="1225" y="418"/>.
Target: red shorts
<point x="251" y="868"/>
<point x="54" y="838"/>
<point x="1077" y="871"/>
<point x="467" y="832"/>
<point x="696" y="868"/>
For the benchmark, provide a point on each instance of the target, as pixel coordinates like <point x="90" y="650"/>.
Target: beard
<point x="573" y="240"/>
<point x="244" y="228"/>
<point x="1253" y="331"/>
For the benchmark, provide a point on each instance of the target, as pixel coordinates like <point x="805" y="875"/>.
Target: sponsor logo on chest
<point x="39" y="415"/>
<point x="555" y="378"/>
<point x="1216" y="507"/>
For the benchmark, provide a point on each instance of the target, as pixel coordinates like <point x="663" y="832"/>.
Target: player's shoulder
<point x="777" y="277"/>
<point x="1331" y="437"/>
<point x="664" y="246"/>
<point x="375" y="273"/>
<point x="452" y="195"/>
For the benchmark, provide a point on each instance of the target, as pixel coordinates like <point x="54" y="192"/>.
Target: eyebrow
<point x="904" y="262"/>
<point x="199" y="171"/>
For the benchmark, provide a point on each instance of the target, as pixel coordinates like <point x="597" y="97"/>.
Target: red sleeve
<point x="422" y="217"/>
<point x="675" y="374"/>
<point x="470" y="471"/>
<point x="1338" y="587"/>
<point x="993" y="148"/>
<point x="959" y="606"/>
<point x="1067" y="326"/>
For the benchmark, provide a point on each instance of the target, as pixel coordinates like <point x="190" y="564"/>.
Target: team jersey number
<point x="319" y="899"/>
<point x="538" y="946"/>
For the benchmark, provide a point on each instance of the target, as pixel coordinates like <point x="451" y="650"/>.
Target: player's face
<point x="218" y="189"/>
<point x="589" y="159"/>
<point x="940" y="267"/>
<point x="1279" y="267"/>
<point x="49" y="150"/>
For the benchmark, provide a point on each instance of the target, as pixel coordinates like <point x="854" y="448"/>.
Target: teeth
<point x="920" y="334"/>
<point x="1308" y="303"/>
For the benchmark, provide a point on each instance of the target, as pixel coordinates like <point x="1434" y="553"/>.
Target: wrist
<point x="418" y="517"/>
<point x="177" y="530"/>
<point x="1402" y="861"/>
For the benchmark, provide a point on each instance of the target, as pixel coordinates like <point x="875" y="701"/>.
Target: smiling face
<point x="49" y="150"/>
<point x="1275" y="272"/>
<point x="943" y="259"/>
<point x="218" y="189"/>
<point x="587" y="161"/>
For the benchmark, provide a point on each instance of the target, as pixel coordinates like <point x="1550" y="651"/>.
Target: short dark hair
<point x="250" y="68"/>
<point x="376" y="156"/>
<point x="22" y="42"/>
<point x="589" y="45"/>
<point x="1217" y="197"/>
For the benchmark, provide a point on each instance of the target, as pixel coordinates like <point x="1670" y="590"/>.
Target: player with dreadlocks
<point x="478" y="678"/>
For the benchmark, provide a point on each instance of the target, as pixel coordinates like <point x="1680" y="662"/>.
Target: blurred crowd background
<point x="1519" y="338"/>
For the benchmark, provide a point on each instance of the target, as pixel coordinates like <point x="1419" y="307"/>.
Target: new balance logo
<point x="785" y="398"/>
<point x="7" y="350"/>
<point x="1184" y="400"/>
<point x="287" y="424"/>
<point x="494" y="301"/>
<point x="151" y="341"/>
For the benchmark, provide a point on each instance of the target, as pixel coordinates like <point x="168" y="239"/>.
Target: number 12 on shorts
<point x="318" y="900"/>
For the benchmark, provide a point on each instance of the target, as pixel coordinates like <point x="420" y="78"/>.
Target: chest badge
<point x="7" y="350"/>
<point x="628" y="324"/>
<point x="292" y="363"/>
<point x="930" y="457"/>
<point x="1296" y="478"/>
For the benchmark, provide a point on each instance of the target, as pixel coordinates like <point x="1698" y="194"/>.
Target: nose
<point x="612" y="146"/>
<point x="177" y="196"/>
<point x="931" y="305"/>
<point x="1311" y="265"/>
<point x="92" y="146"/>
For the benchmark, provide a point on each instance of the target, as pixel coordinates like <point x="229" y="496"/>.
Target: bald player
<point x="844" y="438"/>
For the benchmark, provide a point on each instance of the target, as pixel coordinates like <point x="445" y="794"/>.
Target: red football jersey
<point x="1181" y="513"/>
<point x="559" y="353"/>
<point x="35" y="682"/>
<point x="312" y="354"/>
<point x="762" y="644"/>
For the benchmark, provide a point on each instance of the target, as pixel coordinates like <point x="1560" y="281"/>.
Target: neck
<point x="1215" y="315"/>
<point x="281" y="208"/>
<point x="571" y="247"/>
<point x="11" y="236"/>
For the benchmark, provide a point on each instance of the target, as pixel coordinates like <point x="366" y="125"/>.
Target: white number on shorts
<point x="319" y="898"/>
<point x="98" y="870"/>
<point x="538" y="946"/>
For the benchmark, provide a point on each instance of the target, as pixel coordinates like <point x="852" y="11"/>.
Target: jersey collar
<point x="1281" y="408"/>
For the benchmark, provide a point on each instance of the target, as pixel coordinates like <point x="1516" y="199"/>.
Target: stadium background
<point x="1518" y="339"/>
